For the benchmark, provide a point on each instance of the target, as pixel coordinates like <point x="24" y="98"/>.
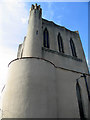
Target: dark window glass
<point x="60" y="43"/>
<point x="73" y="48"/>
<point x="79" y="97"/>
<point x="46" y="38"/>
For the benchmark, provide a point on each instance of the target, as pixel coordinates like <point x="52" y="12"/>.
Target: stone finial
<point x="35" y="6"/>
<point x="39" y="7"/>
<point x="32" y="7"/>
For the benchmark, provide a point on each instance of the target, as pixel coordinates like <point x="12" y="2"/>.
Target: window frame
<point x="60" y="43"/>
<point x="46" y="38"/>
<point x="73" y="48"/>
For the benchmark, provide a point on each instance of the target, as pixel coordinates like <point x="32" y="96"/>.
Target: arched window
<point x="73" y="48"/>
<point x="60" y="43"/>
<point x="46" y="38"/>
<point x="79" y="98"/>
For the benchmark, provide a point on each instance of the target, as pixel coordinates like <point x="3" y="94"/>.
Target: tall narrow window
<point x="73" y="48"/>
<point x="21" y="53"/>
<point x="46" y="38"/>
<point x="80" y="104"/>
<point x="60" y="43"/>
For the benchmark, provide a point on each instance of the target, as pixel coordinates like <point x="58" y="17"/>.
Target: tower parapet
<point x="35" y="7"/>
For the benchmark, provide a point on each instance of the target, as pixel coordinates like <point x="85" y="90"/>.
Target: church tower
<point x="32" y="46"/>
<point x="49" y="78"/>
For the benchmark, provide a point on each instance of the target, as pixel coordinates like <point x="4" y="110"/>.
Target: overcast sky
<point x="14" y="21"/>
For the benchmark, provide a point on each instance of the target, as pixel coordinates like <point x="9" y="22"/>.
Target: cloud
<point x="10" y="1"/>
<point x="24" y="20"/>
<point x="13" y="26"/>
<point x="13" y="16"/>
<point x="6" y="55"/>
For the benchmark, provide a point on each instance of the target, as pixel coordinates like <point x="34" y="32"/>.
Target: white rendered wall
<point x="37" y="89"/>
<point x="30" y="90"/>
<point x="62" y="60"/>
<point x="33" y="42"/>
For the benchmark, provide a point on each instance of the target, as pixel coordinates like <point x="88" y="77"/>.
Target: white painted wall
<point x="37" y="89"/>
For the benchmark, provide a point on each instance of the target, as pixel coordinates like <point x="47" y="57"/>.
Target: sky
<point x="14" y="22"/>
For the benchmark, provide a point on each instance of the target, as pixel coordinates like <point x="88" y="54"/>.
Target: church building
<point x="49" y="77"/>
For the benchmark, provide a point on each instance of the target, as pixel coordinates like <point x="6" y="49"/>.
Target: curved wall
<point x="36" y="88"/>
<point x="30" y="90"/>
